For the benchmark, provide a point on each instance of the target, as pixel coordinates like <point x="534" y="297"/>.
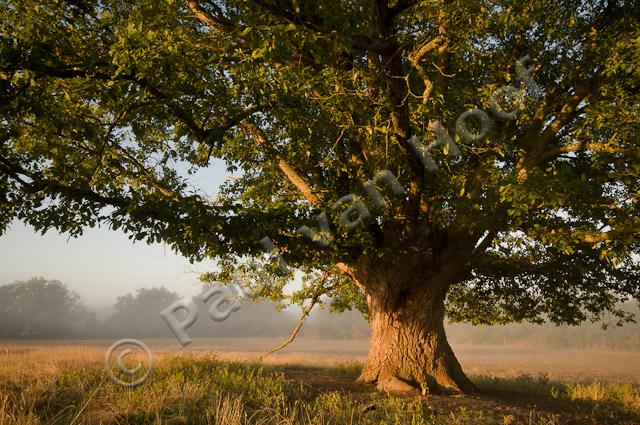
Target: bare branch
<point x="303" y="316"/>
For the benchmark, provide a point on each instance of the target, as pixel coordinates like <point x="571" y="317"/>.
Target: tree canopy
<point x="40" y="307"/>
<point x="108" y="106"/>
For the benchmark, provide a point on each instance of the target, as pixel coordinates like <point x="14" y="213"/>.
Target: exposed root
<point x="394" y="384"/>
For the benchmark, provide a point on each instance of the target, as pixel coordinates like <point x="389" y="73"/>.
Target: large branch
<point x="226" y="25"/>
<point x="207" y="18"/>
<point x="390" y="69"/>
<point x="38" y="183"/>
<point x="631" y="230"/>
<point x="401" y="6"/>
<point x="316" y="24"/>
<point x="569" y="110"/>
<point x="294" y="176"/>
<point x="200" y="133"/>
<point x="563" y="113"/>
<point x="425" y="48"/>
<point x="595" y="147"/>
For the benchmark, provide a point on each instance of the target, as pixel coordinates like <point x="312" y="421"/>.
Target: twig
<point x="303" y="317"/>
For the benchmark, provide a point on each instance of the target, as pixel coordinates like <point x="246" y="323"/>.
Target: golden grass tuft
<point x="68" y="385"/>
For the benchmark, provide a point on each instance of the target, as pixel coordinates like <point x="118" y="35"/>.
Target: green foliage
<point x="108" y="107"/>
<point x="40" y="307"/>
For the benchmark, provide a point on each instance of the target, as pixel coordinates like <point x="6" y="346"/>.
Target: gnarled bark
<point x="409" y="348"/>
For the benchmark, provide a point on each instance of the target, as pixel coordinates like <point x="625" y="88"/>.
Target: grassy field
<point x="53" y="384"/>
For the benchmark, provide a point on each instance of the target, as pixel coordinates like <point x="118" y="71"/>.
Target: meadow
<point x="47" y="383"/>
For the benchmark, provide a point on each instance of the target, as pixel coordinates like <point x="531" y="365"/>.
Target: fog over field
<point x="109" y="301"/>
<point x="37" y="314"/>
<point x="53" y="311"/>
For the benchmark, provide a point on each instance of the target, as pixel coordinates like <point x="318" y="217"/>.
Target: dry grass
<point x="68" y="385"/>
<point x="559" y="364"/>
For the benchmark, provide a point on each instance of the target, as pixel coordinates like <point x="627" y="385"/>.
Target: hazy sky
<point x="103" y="264"/>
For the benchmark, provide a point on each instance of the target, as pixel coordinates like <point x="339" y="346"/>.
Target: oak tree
<point x="344" y="117"/>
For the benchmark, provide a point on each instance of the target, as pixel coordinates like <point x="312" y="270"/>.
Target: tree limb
<point x="303" y="316"/>
<point x="595" y="147"/>
<point x="361" y="42"/>
<point x="630" y="230"/>
<point x="200" y="133"/>
<point x="425" y="48"/>
<point x="293" y="175"/>
<point x="401" y="6"/>
<point x="207" y="18"/>
<point x="484" y="243"/>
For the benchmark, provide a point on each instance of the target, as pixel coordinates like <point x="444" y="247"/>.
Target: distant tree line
<point x="40" y="308"/>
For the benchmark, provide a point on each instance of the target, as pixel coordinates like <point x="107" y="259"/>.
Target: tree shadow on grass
<point x="510" y="400"/>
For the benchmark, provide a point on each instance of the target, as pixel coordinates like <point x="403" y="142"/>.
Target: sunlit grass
<point x="624" y="394"/>
<point x="68" y="385"/>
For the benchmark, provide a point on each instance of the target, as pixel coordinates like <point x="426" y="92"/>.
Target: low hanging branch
<point x="303" y="316"/>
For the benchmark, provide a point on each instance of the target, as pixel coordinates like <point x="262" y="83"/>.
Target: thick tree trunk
<point x="409" y="348"/>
